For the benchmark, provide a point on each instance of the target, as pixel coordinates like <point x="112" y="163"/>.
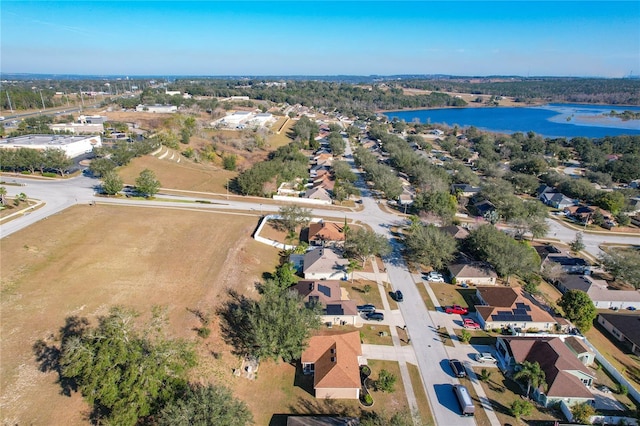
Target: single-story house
<point x="456" y="231"/>
<point x="543" y="189"/>
<point x="473" y="272"/>
<point x="599" y="292"/>
<point x="567" y="377"/>
<point x="557" y="200"/>
<point x="334" y="360"/>
<point x="510" y="307"/>
<point x="624" y="327"/>
<point x="569" y="264"/>
<point x="336" y="306"/>
<point x="324" y="264"/>
<point x="584" y="214"/>
<point x="325" y="182"/>
<point x="465" y="190"/>
<point x="317" y="193"/>
<point x="322" y="233"/>
<point x="484" y="207"/>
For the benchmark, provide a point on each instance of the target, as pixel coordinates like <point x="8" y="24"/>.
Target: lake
<point x="552" y="120"/>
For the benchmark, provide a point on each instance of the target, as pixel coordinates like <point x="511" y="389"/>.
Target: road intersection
<point x="431" y="354"/>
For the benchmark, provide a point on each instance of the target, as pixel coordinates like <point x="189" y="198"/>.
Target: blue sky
<point x="573" y="38"/>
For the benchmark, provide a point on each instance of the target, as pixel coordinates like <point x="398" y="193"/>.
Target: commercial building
<point x="73" y="146"/>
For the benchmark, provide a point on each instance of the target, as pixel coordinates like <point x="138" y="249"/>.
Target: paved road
<point x="431" y="354"/>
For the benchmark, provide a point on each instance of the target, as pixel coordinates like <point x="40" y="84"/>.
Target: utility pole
<point x="42" y="99"/>
<point x="9" y="99"/>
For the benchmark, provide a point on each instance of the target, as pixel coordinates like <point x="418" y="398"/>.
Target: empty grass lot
<point x="89" y="258"/>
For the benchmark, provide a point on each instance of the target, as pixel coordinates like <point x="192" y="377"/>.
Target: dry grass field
<point x="89" y="258"/>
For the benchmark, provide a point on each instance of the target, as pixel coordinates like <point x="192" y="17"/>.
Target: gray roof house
<point x="324" y="264"/>
<point x="624" y="327"/>
<point x="557" y="200"/>
<point x="318" y="193"/>
<point x="599" y="292"/>
<point x="336" y="306"/>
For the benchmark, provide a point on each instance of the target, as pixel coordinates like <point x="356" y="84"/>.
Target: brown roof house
<point x="624" y="327"/>
<point x="509" y="307"/>
<point x="326" y="233"/>
<point x="468" y="271"/>
<point x="334" y="360"/>
<point x="336" y="306"/>
<point x="564" y="363"/>
<point x="456" y="231"/>
<point x="324" y="264"/>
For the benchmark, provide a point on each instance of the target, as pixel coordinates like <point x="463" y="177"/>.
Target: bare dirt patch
<point x="89" y="258"/>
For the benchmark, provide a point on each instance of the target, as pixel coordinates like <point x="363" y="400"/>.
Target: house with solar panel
<point x="511" y="308"/>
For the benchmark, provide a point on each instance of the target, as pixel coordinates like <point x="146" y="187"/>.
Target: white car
<point x="435" y="277"/>
<point x="485" y="357"/>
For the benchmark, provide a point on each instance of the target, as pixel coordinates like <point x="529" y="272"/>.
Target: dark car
<point x="375" y="316"/>
<point x="398" y="296"/>
<point x="457" y="368"/>
<point x="366" y="308"/>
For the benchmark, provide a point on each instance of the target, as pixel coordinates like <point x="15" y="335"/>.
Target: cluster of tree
<point x="31" y="160"/>
<point x="548" y="89"/>
<point x="506" y="255"/>
<point x="304" y="131"/>
<point x="346" y="98"/>
<point x="107" y="158"/>
<point x="428" y="245"/>
<point x="278" y="326"/>
<point x="131" y="375"/>
<point x="383" y="177"/>
<point x="623" y="265"/>
<point x="34" y="125"/>
<point x="285" y="164"/>
<point x="594" y="153"/>
<point x="345" y="180"/>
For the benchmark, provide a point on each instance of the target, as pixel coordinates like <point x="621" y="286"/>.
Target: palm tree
<point x="532" y="373"/>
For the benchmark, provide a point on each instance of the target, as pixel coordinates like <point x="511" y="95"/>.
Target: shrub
<point x="229" y="162"/>
<point x="368" y="399"/>
<point x="454" y="281"/>
<point x="386" y="382"/>
<point x="49" y="174"/>
<point x="25" y="172"/>
<point x="622" y="389"/>
<point x="465" y="336"/>
<point x="367" y="288"/>
<point x="204" y="332"/>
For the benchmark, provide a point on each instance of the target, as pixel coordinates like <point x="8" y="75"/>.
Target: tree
<point x="286" y="275"/>
<point x="577" y="244"/>
<point x="112" y="183"/>
<point x="386" y="382"/>
<point x="520" y="408"/>
<point x="206" y="406"/>
<point x="57" y="159"/>
<point x="578" y="308"/>
<point x="429" y="245"/>
<point x="147" y="184"/>
<point x="292" y="216"/>
<point x="623" y="265"/>
<point x="363" y="244"/>
<point x="532" y="373"/>
<point x="125" y="373"/>
<point x="582" y="413"/>
<point x="229" y="162"/>
<point x="100" y="166"/>
<point x="281" y="325"/>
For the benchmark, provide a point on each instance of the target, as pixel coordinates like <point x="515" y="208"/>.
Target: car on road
<point x="375" y="316"/>
<point x="435" y="277"/>
<point x="398" y="296"/>
<point x="456" y="309"/>
<point x="469" y="323"/>
<point x="366" y="308"/>
<point x="486" y="357"/>
<point x="457" y="368"/>
<point x="631" y="308"/>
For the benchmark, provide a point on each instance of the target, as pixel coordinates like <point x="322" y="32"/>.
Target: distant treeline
<point x="580" y="90"/>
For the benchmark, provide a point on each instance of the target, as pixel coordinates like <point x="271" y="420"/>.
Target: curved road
<point x="431" y="354"/>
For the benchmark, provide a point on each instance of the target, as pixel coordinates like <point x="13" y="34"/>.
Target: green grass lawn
<point x="421" y="397"/>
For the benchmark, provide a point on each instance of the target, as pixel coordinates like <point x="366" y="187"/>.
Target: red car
<point x="471" y="324"/>
<point x="456" y="309"/>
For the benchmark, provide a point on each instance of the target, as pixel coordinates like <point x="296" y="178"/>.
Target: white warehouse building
<point x="73" y="146"/>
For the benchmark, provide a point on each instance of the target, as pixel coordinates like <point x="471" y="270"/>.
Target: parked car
<point x="456" y="309"/>
<point x="457" y="368"/>
<point x="631" y="308"/>
<point x="398" y="296"/>
<point x="435" y="277"/>
<point x="485" y="357"/>
<point x="469" y="323"/>
<point x="375" y="316"/>
<point x="366" y="308"/>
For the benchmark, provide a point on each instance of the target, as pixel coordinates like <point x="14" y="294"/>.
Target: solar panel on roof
<point x="519" y="312"/>
<point x="520" y="305"/>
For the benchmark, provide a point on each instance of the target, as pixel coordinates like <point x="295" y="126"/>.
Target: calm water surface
<point x="552" y="120"/>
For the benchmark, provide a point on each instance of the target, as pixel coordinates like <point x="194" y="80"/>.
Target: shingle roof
<point x="629" y="325"/>
<point x="472" y="270"/>
<point x="336" y="360"/>
<point x="507" y="304"/>
<point x="326" y="231"/>
<point x="323" y="260"/>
